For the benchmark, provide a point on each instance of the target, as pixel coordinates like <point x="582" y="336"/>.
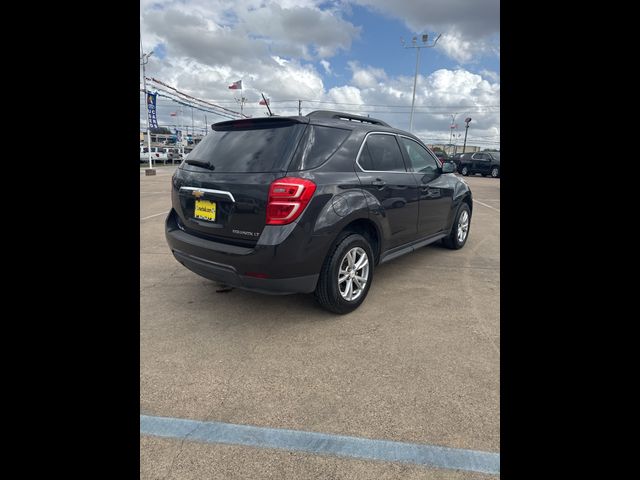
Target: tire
<point x="330" y="293"/>
<point x="453" y="241"/>
<point x="495" y="172"/>
<point x="464" y="171"/>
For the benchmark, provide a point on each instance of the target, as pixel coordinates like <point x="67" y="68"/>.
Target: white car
<point x="157" y="154"/>
<point x="173" y="154"/>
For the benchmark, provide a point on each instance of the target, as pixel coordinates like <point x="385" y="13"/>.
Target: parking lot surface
<point x="418" y="362"/>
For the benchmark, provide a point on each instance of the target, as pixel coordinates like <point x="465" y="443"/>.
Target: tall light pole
<point x="425" y="38"/>
<point x="144" y="59"/>
<point x="466" y="129"/>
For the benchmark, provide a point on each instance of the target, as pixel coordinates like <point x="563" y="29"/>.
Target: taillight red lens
<point x="288" y="197"/>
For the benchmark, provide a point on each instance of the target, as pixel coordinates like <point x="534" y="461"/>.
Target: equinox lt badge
<point x="242" y="232"/>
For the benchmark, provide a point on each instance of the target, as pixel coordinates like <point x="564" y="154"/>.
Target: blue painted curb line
<point x="322" y="443"/>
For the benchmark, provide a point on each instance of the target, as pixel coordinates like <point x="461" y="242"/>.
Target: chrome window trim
<point x="362" y="146"/>
<point x="209" y="190"/>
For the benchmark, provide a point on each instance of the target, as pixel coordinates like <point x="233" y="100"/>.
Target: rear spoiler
<point x="260" y="122"/>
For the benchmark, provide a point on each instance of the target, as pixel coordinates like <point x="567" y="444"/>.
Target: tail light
<point x="288" y="197"/>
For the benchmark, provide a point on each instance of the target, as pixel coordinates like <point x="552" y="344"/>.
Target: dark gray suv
<point x="485" y="163"/>
<point x="311" y="203"/>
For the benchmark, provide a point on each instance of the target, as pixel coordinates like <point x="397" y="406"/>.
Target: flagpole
<point x="144" y="60"/>
<point x="241" y="98"/>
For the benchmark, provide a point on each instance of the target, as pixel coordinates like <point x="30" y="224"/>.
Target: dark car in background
<point x="484" y="163"/>
<point x="311" y="203"/>
<point x="457" y="156"/>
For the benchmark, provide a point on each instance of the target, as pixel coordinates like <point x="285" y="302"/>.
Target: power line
<point x="193" y="98"/>
<point x="197" y="107"/>
<point x="371" y="104"/>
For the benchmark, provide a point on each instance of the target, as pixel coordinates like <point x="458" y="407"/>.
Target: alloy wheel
<point x="463" y="226"/>
<point x="353" y="274"/>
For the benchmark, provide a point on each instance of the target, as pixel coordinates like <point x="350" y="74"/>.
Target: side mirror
<point x="448" y="167"/>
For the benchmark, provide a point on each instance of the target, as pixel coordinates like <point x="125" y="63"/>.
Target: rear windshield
<point x="250" y="148"/>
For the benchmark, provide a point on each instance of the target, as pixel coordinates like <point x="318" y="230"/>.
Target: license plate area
<point x="205" y="210"/>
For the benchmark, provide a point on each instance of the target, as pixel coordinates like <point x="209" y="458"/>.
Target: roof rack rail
<point x="346" y="116"/>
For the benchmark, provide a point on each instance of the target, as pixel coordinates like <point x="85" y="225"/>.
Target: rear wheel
<point x="464" y="171"/>
<point x="460" y="229"/>
<point x="346" y="275"/>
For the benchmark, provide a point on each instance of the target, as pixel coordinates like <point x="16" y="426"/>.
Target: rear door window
<point x="381" y="153"/>
<point x="317" y="145"/>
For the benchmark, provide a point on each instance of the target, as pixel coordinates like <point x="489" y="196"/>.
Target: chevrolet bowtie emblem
<point x="197" y="193"/>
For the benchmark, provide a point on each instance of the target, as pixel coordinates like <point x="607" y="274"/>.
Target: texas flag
<point x="173" y="114"/>
<point x="236" y="85"/>
<point x="262" y="102"/>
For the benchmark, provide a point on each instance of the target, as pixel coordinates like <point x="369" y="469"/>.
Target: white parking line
<point x="156" y="215"/>
<point x="488" y="206"/>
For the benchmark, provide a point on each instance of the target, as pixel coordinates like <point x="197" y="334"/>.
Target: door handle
<point x="378" y="182"/>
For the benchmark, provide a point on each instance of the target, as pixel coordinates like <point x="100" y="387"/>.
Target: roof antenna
<point x="267" y="104"/>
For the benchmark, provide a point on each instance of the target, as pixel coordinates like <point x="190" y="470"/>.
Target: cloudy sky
<point x="342" y="55"/>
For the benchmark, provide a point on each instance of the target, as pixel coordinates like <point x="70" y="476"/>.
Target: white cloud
<point x="490" y="75"/>
<point x="476" y="18"/>
<point x="469" y="28"/>
<point x="367" y="77"/>
<point x="273" y="47"/>
<point x="245" y="29"/>
<point x="457" y="47"/>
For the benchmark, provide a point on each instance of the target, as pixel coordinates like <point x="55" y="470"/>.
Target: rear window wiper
<point x="200" y="163"/>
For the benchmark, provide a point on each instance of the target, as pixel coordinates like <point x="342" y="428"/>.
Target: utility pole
<point x="181" y="131"/>
<point x="425" y="37"/>
<point x="300" y="107"/>
<point x="466" y="129"/>
<point x="452" y="127"/>
<point x="144" y="59"/>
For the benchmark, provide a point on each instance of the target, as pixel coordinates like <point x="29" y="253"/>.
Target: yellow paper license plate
<point x="205" y="210"/>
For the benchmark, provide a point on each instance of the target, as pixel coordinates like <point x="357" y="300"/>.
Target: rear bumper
<point x="227" y="275"/>
<point x="229" y="264"/>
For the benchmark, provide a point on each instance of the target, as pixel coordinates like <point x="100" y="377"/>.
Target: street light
<point x="144" y="59"/>
<point x="425" y="37"/>
<point x="466" y="129"/>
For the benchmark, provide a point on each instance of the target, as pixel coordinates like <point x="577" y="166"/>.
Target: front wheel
<point x="495" y="172"/>
<point x="464" y="171"/>
<point x="346" y="275"/>
<point x="460" y="229"/>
